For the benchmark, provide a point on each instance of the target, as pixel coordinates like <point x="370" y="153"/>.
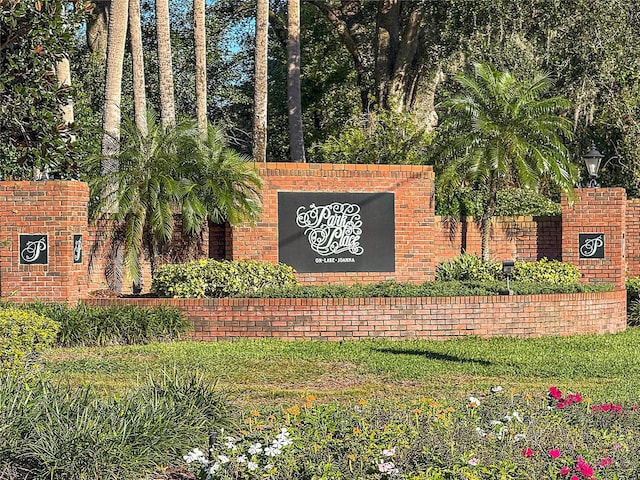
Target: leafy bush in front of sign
<point x="551" y="272"/>
<point x="427" y="289"/>
<point x="23" y="335"/>
<point x="468" y="267"/>
<point x="213" y="278"/>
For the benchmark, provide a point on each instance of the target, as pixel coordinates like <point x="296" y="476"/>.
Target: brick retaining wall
<point x="424" y="318"/>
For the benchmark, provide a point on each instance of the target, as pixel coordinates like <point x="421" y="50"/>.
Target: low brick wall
<point x="406" y="318"/>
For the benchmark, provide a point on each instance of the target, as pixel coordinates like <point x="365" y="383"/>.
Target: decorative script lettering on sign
<point x="332" y="229"/>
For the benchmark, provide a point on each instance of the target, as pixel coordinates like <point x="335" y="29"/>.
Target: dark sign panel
<point x="77" y="249"/>
<point x="34" y="249"/>
<point x="591" y="245"/>
<point x="337" y="232"/>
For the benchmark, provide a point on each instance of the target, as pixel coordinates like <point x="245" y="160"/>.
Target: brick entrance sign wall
<point x="42" y="228"/>
<point x="593" y="234"/>
<point x="413" y="197"/>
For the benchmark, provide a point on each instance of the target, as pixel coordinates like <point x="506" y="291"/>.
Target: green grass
<point x="255" y="372"/>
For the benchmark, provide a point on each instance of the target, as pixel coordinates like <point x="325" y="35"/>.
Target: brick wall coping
<point x="398" y="317"/>
<point x="319" y="169"/>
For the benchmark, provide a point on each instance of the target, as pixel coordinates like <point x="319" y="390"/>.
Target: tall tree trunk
<point x="111" y="123"/>
<point x="296" y="137"/>
<point x="165" y="74"/>
<point x="97" y="31"/>
<point x="113" y="84"/>
<point x="63" y="72"/>
<point x="260" y="83"/>
<point x="199" y="40"/>
<point x="139" y="85"/>
<point x="387" y="43"/>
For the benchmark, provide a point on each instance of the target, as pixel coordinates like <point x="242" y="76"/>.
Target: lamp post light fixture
<point x="592" y="160"/>
<point x="507" y="270"/>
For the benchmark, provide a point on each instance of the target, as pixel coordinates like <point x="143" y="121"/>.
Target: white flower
<point x="252" y="466"/>
<point x="214" y="468"/>
<point x="495" y="422"/>
<point x="473" y="461"/>
<point x="272" y="451"/>
<point x="231" y="443"/>
<point x="196" y="455"/>
<point x="268" y="466"/>
<point x="241" y="459"/>
<point x="255" y="449"/>
<point x="223" y="459"/>
<point x="517" y="416"/>
<point x="496" y="389"/>
<point x="474" y="402"/>
<point x="519" y="436"/>
<point x="389" y="452"/>
<point x="481" y="432"/>
<point x="387" y="467"/>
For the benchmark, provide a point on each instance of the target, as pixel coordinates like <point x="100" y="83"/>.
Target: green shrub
<point x="212" y="278"/>
<point x="86" y="325"/>
<point x="633" y="301"/>
<point x="468" y="267"/>
<point x="23" y="334"/>
<point x="551" y="272"/>
<point x="471" y="268"/>
<point x="379" y="137"/>
<point x="511" y="202"/>
<point x="428" y="289"/>
<point x="57" y="432"/>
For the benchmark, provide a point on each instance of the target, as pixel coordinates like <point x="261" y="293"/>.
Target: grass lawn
<point x="279" y="373"/>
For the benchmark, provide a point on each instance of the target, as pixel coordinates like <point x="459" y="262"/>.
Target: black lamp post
<point x="508" y="267"/>
<point x="592" y="160"/>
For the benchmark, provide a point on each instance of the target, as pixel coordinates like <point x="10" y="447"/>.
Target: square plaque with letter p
<point x="591" y="245"/>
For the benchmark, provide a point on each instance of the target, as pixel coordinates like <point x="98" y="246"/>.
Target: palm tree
<point x="165" y="72"/>
<point x="169" y="171"/>
<point x="296" y="138"/>
<point x="137" y="56"/>
<point x="199" y="41"/>
<point x="260" y="82"/>
<point x="503" y="131"/>
<point x="113" y="83"/>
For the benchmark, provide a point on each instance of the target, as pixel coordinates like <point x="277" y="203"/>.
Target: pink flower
<point x="560" y="404"/>
<point x="555" y="453"/>
<point x="605" y="462"/>
<point x="584" y="468"/>
<point x="574" y="477"/>
<point x="565" y="471"/>
<point x="527" y="452"/>
<point x="555" y="393"/>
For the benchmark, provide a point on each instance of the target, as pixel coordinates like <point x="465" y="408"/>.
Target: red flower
<point x="565" y="471"/>
<point x="574" y="477"/>
<point x="527" y="452"/>
<point x="555" y="453"/>
<point x="555" y="393"/>
<point x="560" y="405"/>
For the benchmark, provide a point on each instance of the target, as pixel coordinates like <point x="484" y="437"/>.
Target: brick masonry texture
<point x="398" y="318"/>
<point x="414" y="215"/>
<point x="57" y="209"/>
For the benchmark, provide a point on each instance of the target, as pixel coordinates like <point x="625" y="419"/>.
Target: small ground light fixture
<point x="507" y="270"/>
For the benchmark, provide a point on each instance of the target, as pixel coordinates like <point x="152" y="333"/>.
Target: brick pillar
<point x="593" y="234"/>
<point x="42" y="226"/>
